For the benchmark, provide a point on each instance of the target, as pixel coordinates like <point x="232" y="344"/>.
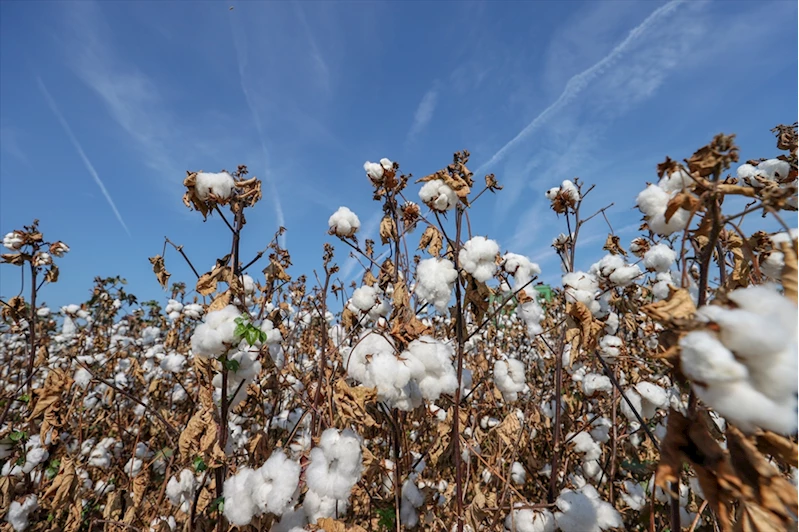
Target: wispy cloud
<point x="581" y="81"/>
<point x="239" y="41"/>
<point x="89" y="166"/>
<point x="320" y="65"/>
<point x="424" y="113"/>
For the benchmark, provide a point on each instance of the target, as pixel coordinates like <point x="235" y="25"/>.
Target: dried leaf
<point x="678" y="305"/>
<point x="613" y="246"/>
<point x="61" y="491"/>
<point x="388" y="230"/>
<point x="351" y="403"/>
<point x="778" y="446"/>
<point x="589" y="326"/>
<point x="789" y="270"/>
<point x="159" y="268"/>
<point x="510" y="429"/>
<point x="432" y="240"/>
<point x="683" y="200"/>
<point x="220" y="301"/>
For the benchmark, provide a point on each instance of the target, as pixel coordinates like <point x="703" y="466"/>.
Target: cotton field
<point x="654" y="390"/>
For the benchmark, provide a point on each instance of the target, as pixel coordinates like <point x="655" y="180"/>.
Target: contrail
<point x="579" y="82"/>
<point x="281" y="220"/>
<point x="86" y="161"/>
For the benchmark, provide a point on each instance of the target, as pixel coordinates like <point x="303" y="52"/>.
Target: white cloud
<point x="424" y="113"/>
<point x="89" y="166"/>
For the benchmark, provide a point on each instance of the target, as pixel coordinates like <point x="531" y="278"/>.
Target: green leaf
<point x="387" y="517"/>
<point x="232" y="365"/>
<point x="24" y="398"/>
<point x="217" y="505"/>
<point x="199" y="464"/>
<point x="17" y="435"/>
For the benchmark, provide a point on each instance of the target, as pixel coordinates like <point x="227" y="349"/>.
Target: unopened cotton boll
<point x="435" y="279"/>
<point x="335" y="465"/>
<point x="438" y="195"/>
<point x="478" y="257"/>
<point x="221" y="185"/>
<point x="344" y="223"/>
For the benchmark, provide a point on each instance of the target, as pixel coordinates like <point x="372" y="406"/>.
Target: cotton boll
<point x="593" y="383"/>
<point x="82" y="377"/>
<point x="633" y="495"/>
<point x="240" y="507"/>
<point x="412" y="499"/>
<point x="705" y="359"/>
<point x="220" y="185"/>
<point x="509" y="378"/>
<point x="216" y="334"/>
<point x="19" y="513"/>
<point x="584" y="510"/>
<point x="659" y="258"/>
<point x="374" y="171"/>
<point x="610" y="347"/>
<point x="430" y="364"/>
<point x="774" y="169"/>
<point x="344" y="223"/>
<point x="748" y="408"/>
<point x="13" y="241"/>
<point x="637" y="406"/>
<point x="653" y="200"/>
<point x="438" y="195"/>
<point x="279" y="480"/>
<point x="435" y="281"/>
<point x="772" y="263"/>
<point x="318" y="506"/>
<point x="653" y="397"/>
<point x="600" y="429"/>
<point x="478" y="257"/>
<point x="364" y="298"/>
<point x="527" y="520"/>
<point x="520" y="267"/>
<point x="173" y="363"/>
<point x="336" y="464"/>
<point x="625" y="275"/>
<point x="676" y="181"/>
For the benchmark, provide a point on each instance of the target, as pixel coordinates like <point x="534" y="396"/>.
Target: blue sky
<point x="105" y="105"/>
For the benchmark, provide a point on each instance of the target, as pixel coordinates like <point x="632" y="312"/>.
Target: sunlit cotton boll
<point x="438" y="195"/>
<point x="336" y="464"/>
<point x="435" y="281"/>
<point x="215" y="336"/>
<point x="509" y="378"/>
<point x="527" y="520"/>
<point x="478" y="257"/>
<point x="344" y="223"/>
<point x="279" y="478"/>
<point x="220" y="185"/>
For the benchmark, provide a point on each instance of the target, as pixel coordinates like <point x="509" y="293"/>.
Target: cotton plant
<point x="744" y="365"/>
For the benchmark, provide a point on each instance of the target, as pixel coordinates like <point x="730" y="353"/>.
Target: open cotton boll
<point x="637" y="406"/>
<point x="220" y="185"/>
<point x="520" y="267"/>
<point x="584" y="510"/>
<point x="509" y="378"/>
<point x="659" y="258"/>
<point x="193" y="310"/>
<point x="675" y="181"/>
<point x="661" y="288"/>
<point x="610" y="347"/>
<point x="19" y="513"/>
<point x="438" y="195"/>
<point x="430" y="364"/>
<point x="531" y="314"/>
<point x="478" y="257"/>
<point x="653" y="201"/>
<point x="593" y="383"/>
<point x="527" y="520"/>
<point x="240" y="507"/>
<point x="279" y="480"/>
<point x="412" y="499"/>
<point x="13" y="241"/>
<point x="335" y="465"/>
<point x="582" y="287"/>
<point x="435" y="279"/>
<point x="317" y="506"/>
<point x="344" y="223"/>
<point x="633" y="495"/>
<point x="652" y="398"/>
<point x="215" y="335"/>
<point x="374" y="171"/>
<point x="173" y="363"/>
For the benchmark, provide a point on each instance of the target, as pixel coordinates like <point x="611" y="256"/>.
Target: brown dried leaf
<point x="159" y="268"/>
<point x="477" y="295"/>
<point x="432" y="240"/>
<point x="589" y="326"/>
<point x="779" y="446"/>
<point x="678" y="305"/>
<point x="276" y="271"/>
<point x="613" y="246"/>
<point x="388" y="230"/>
<point x="220" y="301"/>
<point x="718" y="154"/>
<point x="510" y="429"/>
<point x="51" y="275"/>
<point x="59" y="494"/>
<point x="351" y="403"/>
<point x="683" y="200"/>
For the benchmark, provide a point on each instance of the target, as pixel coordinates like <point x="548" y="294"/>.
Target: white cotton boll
<point x="531" y="314"/>
<point x="746" y="171"/>
<point x="386" y="164"/>
<point x="635" y="400"/>
<point x="13" y="241"/>
<point x="173" y="306"/>
<point x="173" y="363"/>
<point x="509" y="378"/>
<point x="584" y="510"/>
<point x="318" y="506"/>
<point x="612" y="323"/>
<point x="18" y="513"/>
<point x="438" y="195"/>
<point x="527" y="520"/>
<point x="240" y="507"/>
<point x="336" y="464"/>
<point x="569" y="189"/>
<point x="520" y="267"/>
<point x="344" y="223"/>
<point x="478" y="257"/>
<point x="374" y="171"/>
<point x="705" y="359"/>
<point x="82" y="377"/>
<point x="552" y="193"/>
<point x="280" y="479"/>
<point x="365" y="297"/>
<point x="435" y="281"/>
<point x="652" y="398"/>
<point x="625" y="275"/>
<point x="412" y="499"/>
<point x="678" y="222"/>
<point x="600" y="429"/>
<point x="659" y="258"/>
<point x="216" y="334"/>
<point x="676" y="181"/>
<point x="220" y="185"/>
<point x="193" y="310"/>
<point x="610" y="347"/>
<point x="749" y="408"/>
<point x="430" y="364"/>
<point x="774" y="169"/>
<point x="772" y="263"/>
<point x="661" y="288"/>
<point x="633" y="495"/>
<point x="593" y="383"/>
<point x="653" y="200"/>
<point x="43" y="312"/>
